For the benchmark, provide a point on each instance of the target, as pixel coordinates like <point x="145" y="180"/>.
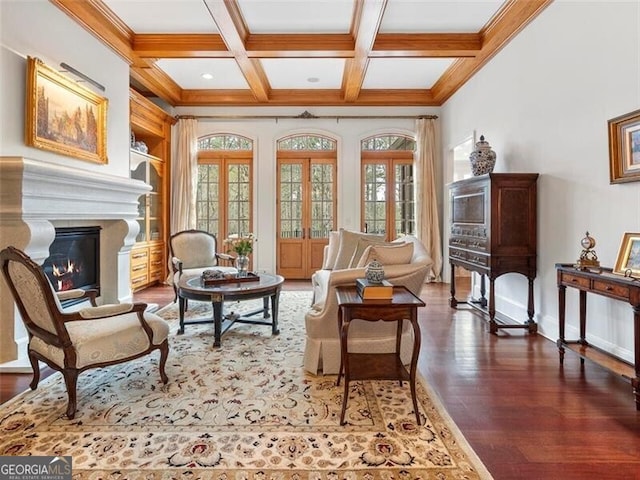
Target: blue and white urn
<point x="483" y="159"/>
<point x="374" y="272"/>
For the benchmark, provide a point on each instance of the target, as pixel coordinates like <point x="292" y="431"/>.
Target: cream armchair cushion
<point x="322" y="350"/>
<point x="194" y="251"/>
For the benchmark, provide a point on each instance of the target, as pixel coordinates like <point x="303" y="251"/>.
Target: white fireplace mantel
<point x="38" y="196"/>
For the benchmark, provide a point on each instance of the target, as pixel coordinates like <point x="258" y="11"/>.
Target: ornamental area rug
<point x="245" y="410"/>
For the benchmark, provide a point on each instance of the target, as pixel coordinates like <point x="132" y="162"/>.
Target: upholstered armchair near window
<point x="72" y="342"/>
<point x="194" y="251"/>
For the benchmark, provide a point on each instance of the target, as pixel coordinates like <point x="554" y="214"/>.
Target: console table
<point x="609" y="285"/>
<point x="377" y="366"/>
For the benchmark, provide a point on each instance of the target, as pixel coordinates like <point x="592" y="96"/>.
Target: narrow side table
<point x="377" y="366"/>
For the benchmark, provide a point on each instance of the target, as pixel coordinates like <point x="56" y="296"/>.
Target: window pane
<point x="207" y="198"/>
<point x="290" y="201"/>
<point x="404" y="199"/>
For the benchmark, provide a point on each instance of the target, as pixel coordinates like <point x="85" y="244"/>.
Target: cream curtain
<point x="184" y="175"/>
<point x="428" y="226"/>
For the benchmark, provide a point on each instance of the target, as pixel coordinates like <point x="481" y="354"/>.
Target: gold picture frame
<point x="624" y="148"/>
<point x="628" y="261"/>
<point x="63" y="116"/>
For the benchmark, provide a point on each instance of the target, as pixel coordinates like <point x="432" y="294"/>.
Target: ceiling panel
<point x="304" y="72"/>
<point x="417" y="73"/>
<point x="188" y="72"/>
<point x="432" y="16"/>
<point x="295" y="16"/>
<point x="164" y="16"/>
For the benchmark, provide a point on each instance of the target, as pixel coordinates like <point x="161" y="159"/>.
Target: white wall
<point x="37" y="28"/>
<point x="543" y="103"/>
<point x="266" y="132"/>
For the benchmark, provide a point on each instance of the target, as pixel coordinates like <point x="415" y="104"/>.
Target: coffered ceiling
<point x="303" y="52"/>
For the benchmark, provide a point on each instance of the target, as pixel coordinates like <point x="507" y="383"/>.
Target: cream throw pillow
<point x="348" y="245"/>
<point x="363" y="243"/>
<point x="399" y="254"/>
<point x="332" y="250"/>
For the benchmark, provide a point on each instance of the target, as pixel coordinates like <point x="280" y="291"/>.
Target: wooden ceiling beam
<point x="180" y="46"/>
<point x="294" y="97"/>
<point x="506" y="24"/>
<point x="302" y="44"/>
<point x="365" y="26"/>
<point x="228" y="19"/>
<point x="427" y="45"/>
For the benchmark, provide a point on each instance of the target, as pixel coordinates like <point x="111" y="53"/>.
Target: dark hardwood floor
<point x="525" y="417"/>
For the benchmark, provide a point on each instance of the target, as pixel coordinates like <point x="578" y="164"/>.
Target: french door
<point x="388" y="203"/>
<point x="306" y="211"/>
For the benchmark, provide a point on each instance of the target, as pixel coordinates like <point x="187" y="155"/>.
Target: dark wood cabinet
<point x="493" y="232"/>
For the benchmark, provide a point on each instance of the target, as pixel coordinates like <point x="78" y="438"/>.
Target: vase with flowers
<point x="242" y="246"/>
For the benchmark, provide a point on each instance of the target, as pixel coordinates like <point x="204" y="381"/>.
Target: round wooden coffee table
<point x="266" y="287"/>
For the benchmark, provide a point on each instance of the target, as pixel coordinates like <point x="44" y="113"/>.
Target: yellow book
<point x="371" y="291"/>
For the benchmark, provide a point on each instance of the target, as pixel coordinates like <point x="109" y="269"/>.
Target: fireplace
<point x="39" y="197"/>
<point x="74" y="260"/>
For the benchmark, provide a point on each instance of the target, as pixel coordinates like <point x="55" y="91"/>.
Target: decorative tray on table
<point x="218" y="277"/>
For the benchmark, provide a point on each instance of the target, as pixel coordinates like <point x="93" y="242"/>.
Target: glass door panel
<point x="375" y="198"/>
<point x="306" y="213"/>
<point x="404" y="217"/>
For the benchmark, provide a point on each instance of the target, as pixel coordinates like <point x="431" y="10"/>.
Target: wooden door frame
<point x="390" y="158"/>
<point x="311" y="249"/>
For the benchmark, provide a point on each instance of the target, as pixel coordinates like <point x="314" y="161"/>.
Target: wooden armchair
<point x="194" y="251"/>
<point x="92" y="337"/>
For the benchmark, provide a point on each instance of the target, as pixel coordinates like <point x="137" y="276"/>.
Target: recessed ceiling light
<point x="207" y="76"/>
<point x="313" y="79"/>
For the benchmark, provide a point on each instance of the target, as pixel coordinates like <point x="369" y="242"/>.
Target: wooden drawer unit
<point x="493" y="232"/>
<point x="574" y="280"/>
<point x="139" y="267"/>
<point x="611" y="290"/>
<point x="156" y="263"/>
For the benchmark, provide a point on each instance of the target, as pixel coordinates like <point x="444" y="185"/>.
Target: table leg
<point x="493" y="325"/>
<point x="533" y="326"/>
<point x="340" y="370"/>
<point x="265" y="307"/>
<point x="182" y="303"/>
<point x="483" y="291"/>
<point x="636" y="329"/>
<point x="414" y="361"/>
<point x="217" y="322"/>
<point x="453" y="303"/>
<point x="275" y="298"/>
<point x="583" y="321"/>
<point x="344" y="364"/>
<point x="562" y="295"/>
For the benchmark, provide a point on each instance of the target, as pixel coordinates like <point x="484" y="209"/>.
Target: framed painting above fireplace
<point x="63" y="116"/>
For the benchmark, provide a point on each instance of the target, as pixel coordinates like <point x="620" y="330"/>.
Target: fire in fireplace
<point x="74" y="259"/>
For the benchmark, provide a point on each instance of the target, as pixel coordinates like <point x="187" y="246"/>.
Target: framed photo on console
<point x="628" y="261"/>
<point x="624" y="148"/>
<point x="63" y="116"/>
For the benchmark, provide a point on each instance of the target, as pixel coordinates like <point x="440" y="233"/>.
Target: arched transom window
<point x="307" y="142"/>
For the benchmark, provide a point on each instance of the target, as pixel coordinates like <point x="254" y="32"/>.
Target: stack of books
<point x="374" y="291"/>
